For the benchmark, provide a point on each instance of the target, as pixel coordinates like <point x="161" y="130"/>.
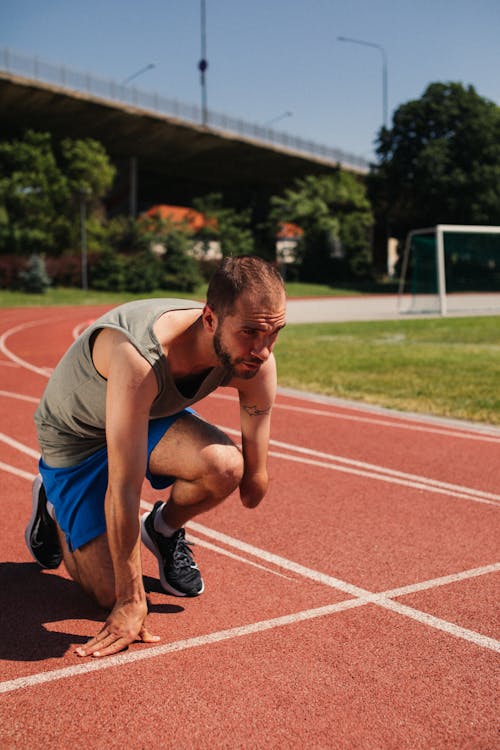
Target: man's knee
<point x="92" y="568"/>
<point x="100" y="590"/>
<point x="223" y="468"/>
<point x="104" y="596"/>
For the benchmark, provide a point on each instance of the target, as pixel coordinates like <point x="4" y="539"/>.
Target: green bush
<point x="180" y="270"/>
<point x="142" y="272"/>
<point x="34" y="278"/>
<point x="108" y="273"/>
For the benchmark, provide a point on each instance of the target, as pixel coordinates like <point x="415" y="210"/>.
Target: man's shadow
<point x="31" y="597"/>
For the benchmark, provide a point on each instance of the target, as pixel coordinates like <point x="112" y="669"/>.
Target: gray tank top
<point x="70" y="418"/>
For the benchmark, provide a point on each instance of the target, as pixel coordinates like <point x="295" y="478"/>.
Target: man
<point x="116" y="410"/>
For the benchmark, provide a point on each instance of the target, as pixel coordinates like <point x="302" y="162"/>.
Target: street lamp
<point x="84" y="193"/>
<point x="203" y="65"/>
<point x="384" y="70"/>
<point x="149" y="66"/>
<point x="278" y="118"/>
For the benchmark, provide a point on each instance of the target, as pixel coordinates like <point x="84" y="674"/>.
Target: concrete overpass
<point x="162" y="151"/>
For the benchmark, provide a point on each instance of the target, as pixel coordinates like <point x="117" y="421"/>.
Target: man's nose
<point x="262" y="350"/>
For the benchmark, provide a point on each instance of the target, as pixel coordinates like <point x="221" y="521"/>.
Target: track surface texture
<point x="356" y="608"/>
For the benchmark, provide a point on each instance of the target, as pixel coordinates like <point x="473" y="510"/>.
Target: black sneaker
<point x="41" y="531"/>
<point x="179" y="574"/>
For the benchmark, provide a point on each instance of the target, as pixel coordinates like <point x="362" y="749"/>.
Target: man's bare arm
<point x="256" y="400"/>
<point x="130" y="391"/>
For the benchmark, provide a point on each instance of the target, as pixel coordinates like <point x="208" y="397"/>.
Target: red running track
<point x="357" y="607"/>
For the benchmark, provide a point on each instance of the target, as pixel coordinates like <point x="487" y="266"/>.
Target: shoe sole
<point x="148" y="542"/>
<point x="35" y="492"/>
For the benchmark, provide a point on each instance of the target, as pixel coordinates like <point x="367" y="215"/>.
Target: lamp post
<point x="203" y="65"/>
<point x="278" y="118"/>
<point x="133" y="159"/>
<point x="84" y="194"/>
<point x="149" y="66"/>
<point x="384" y="70"/>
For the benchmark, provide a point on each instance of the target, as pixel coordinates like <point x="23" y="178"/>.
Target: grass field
<point x="443" y="366"/>
<point x="61" y="296"/>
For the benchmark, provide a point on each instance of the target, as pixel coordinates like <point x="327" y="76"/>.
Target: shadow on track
<point x="31" y="597"/>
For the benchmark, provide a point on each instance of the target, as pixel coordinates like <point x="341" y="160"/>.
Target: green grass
<point x="300" y="289"/>
<point x="447" y="367"/>
<point x="63" y="296"/>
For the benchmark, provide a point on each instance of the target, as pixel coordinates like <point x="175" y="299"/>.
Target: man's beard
<point x="230" y="364"/>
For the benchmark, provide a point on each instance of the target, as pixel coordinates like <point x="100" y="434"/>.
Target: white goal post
<point x="439" y="231"/>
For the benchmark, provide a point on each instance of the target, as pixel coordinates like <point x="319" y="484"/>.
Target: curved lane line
<point x="45" y="371"/>
<point x="80" y="328"/>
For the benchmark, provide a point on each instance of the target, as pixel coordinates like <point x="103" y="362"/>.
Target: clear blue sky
<point x="268" y="57"/>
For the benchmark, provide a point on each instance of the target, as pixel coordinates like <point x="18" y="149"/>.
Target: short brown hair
<point x="245" y="273"/>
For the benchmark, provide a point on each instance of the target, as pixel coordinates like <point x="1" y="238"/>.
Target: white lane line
<point x="19" y="446"/>
<point x="17" y="472"/>
<point x="361" y="597"/>
<point x="20" y="396"/>
<point x="384" y="478"/>
<point x="208" y="545"/>
<point x="221" y="551"/>
<point x="80" y="328"/>
<point x="95" y="665"/>
<point x="300" y="570"/>
<point x="431" y="621"/>
<point x="403" y="423"/>
<point x="381" y="473"/>
<point x="371" y="471"/>
<point x="384" y="470"/>
<point x="432" y="583"/>
<point x="45" y="371"/>
<point x="280" y="562"/>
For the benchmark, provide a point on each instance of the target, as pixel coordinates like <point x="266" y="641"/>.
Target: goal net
<point x="451" y="268"/>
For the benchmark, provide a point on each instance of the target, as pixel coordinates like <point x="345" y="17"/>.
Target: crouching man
<point x="116" y="410"/>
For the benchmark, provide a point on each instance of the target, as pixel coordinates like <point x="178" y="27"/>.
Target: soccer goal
<point x="451" y="268"/>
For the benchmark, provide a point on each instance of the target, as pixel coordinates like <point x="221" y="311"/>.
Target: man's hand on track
<point x="125" y="624"/>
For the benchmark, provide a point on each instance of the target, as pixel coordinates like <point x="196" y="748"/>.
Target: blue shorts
<point x="77" y="492"/>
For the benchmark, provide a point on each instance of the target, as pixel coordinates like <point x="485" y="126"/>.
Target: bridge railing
<point x="108" y="89"/>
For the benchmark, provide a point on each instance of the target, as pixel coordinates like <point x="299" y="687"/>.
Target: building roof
<point x="195" y="220"/>
<point x="289" y="231"/>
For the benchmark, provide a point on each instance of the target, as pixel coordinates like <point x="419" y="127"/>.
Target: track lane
<point x="313" y="678"/>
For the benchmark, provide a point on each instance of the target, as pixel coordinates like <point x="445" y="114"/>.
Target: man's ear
<point x="209" y="319"/>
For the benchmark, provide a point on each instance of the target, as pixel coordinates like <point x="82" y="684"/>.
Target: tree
<point x="90" y="175"/>
<point x="440" y="161"/>
<point x="229" y="227"/>
<point x="179" y="270"/>
<point x="335" y="215"/>
<point x="41" y="185"/>
<point x="87" y="167"/>
<point x="33" y="195"/>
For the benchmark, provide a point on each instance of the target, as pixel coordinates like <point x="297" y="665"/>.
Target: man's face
<point x="245" y="338"/>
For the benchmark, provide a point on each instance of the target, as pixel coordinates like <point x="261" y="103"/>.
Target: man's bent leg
<point x="205" y="462"/>
<point x="207" y="467"/>
<point x="91" y="567"/>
